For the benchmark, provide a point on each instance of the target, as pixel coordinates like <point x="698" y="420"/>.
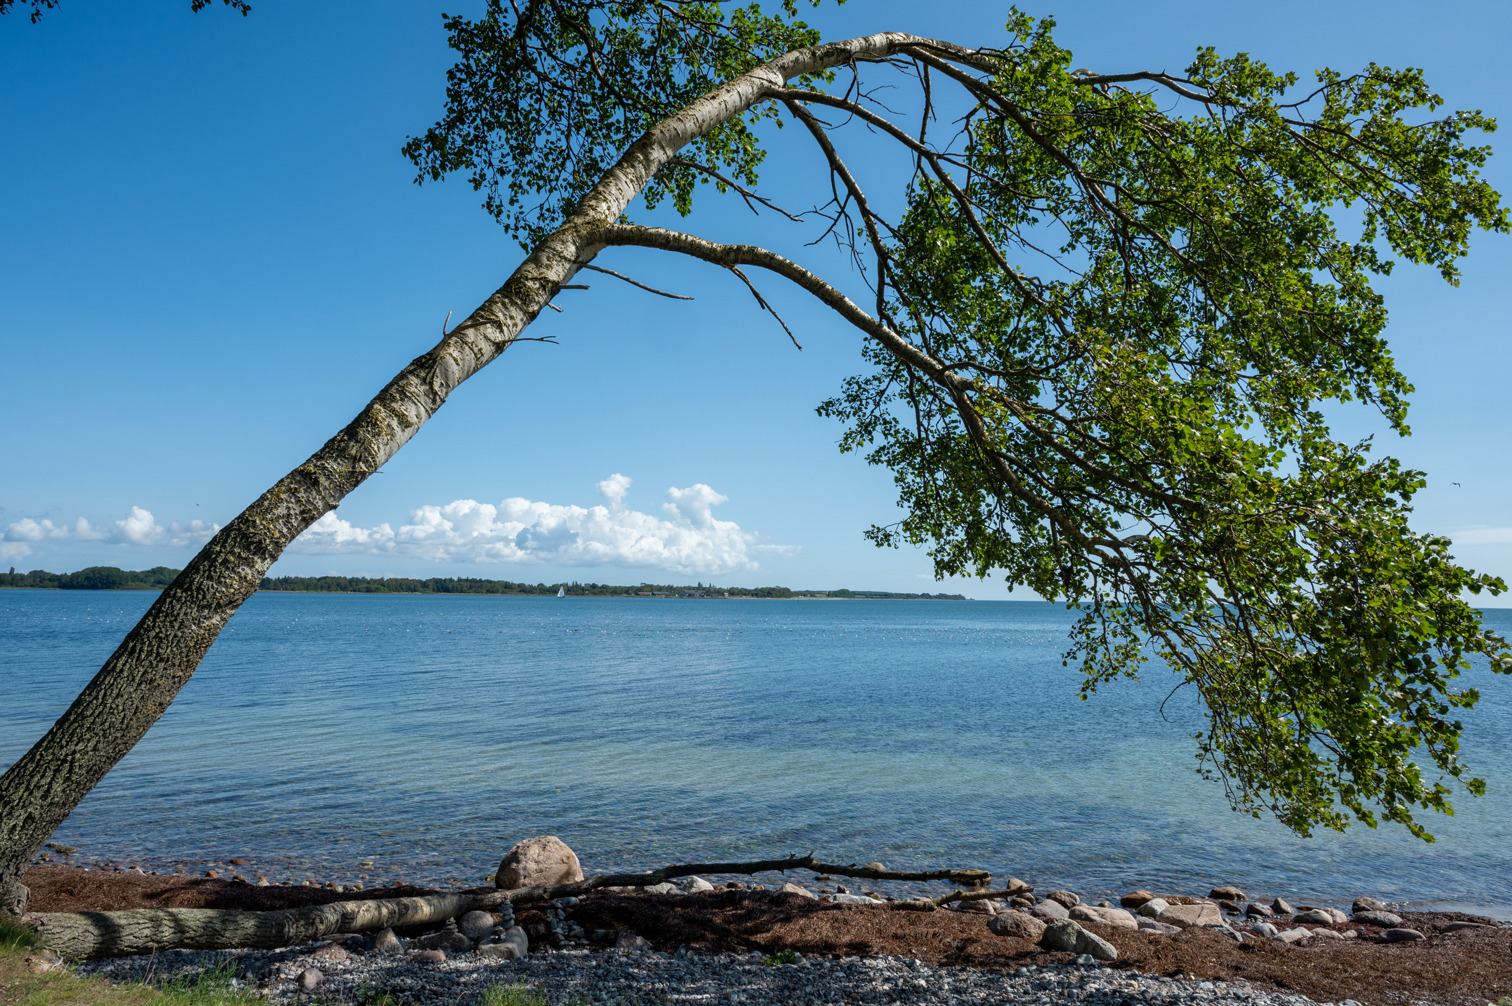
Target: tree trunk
<point x="80" y="935"/>
<point x="158" y="656"/>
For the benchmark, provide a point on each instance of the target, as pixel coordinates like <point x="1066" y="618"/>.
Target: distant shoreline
<point x="157" y="578"/>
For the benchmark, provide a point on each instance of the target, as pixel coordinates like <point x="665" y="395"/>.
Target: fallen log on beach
<point x="84" y="935"/>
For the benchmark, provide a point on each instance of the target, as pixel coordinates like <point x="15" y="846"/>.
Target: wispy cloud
<point x="138" y="527"/>
<point x="688" y="539"/>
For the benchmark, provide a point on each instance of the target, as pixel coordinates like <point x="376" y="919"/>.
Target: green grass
<point x="782" y="957"/>
<point x="21" y="986"/>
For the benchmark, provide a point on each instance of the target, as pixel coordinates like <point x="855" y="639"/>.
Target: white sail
<point x="561" y="592"/>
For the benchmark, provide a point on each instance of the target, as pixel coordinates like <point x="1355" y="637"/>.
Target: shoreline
<point x="748" y="942"/>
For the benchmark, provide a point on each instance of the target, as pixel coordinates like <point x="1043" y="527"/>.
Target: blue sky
<point x="212" y="254"/>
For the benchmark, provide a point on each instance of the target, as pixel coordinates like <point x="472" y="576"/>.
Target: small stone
<point x="1363" y="904"/>
<point x="1105" y="904"/>
<point x="1339" y="917"/>
<point x="1135" y="898"/>
<point x="1313" y="917"/>
<point x="854" y="899"/>
<point x="331" y="952"/>
<point x="542" y="860"/>
<point x="476" y="926"/>
<point x="1227" y="893"/>
<point x="1151" y="926"/>
<point x="798" y="889"/>
<point x="1459" y="927"/>
<point x="262" y="882"/>
<point x="875" y="866"/>
<point x="512" y="946"/>
<point x="1048" y="909"/>
<point x="696" y="885"/>
<point x="42" y="961"/>
<point x="1230" y="932"/>
<point x="1191" y="915"/>
<point x="1264" y="929"/>
<point x="1280" y="907"/>
<point x="1066" y="898"/>
<point x="387" y="943"/>
<point x="212" y="874"/>
<point x="309" y="978"/>
<point x="1256" y="910"/>
<point x="1016" y="924"/>
<point x="662" y="888"/>
<point x="428" y="956"/>
<point x="448" y="939"/>
<point x="1085" y="960"/>
<point x="1225" y="905"/>
<point x="1022" y="904"/>
<point x="981" y="906"/>
<point x="631" y="941"/>
<point x="1294" y="935"/>
<point x="1151" y="909"/>
<point x="1062" y="935"/>
<point x="1400" y="936"/>
<point x="1386" y="920"/>
<point x="1328" y="934"/>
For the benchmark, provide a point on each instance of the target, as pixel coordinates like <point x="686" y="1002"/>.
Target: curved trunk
<point x="158" y="656"/>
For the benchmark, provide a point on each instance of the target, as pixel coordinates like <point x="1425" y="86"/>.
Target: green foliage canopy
<point x="1107" y="322"/>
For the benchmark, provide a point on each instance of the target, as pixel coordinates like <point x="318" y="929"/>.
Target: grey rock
<point x="1280" y="907"/>
<point x="1135" y="898"/>
<point x="1328" y="934"/>
<point x="662" y="888"/>
<point x="798" y="889"/>
<point x="544" y="860"/>
<point x="696" y="885"/>
<point x="1363" y="904"/>
<point x="429" y="956"/>
<point x="982" y="906"/>
<point x="1151" y="926"/>
<point x="1151" y="909"/>
<point x="1191" y="915"/>
<point x="334" y="952"/>
<point x="1457" y="927"/>
<point x="476" y="926"/>
<point x="631" y="941"/>
<point x="1265" y="929"/>
<point x="1400" y="936"/>
<point x="1105" y="904"/>
<point x="387" y="943"/>
<point x="1229" y="893"/>
<point x="1257" y="910"/>
<point x="1062" y="935"/>
<point x="1313" y="917"/>
<point x="1230" y="932"/>
<point x="1294" y="935"/>
<point x="1091" y="943"/>
<point x="1016" y="924"/>
<point x="1048" y="909"/>
<point x="1085" y="960"/>
<point x="1225" y="905"/>
<point x="1107" y="916"/>
<point x="1022" y="904"/>
<point x="500" y="951"/>
<point x="1066" y="898"/>
<point x="309" y="978"/>
<point x="1386" y="920"/>
<point x="876" y="866"/>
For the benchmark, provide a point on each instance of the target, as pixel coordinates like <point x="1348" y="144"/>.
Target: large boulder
<point x="543" y="860"/>
<point x="1191" y="915"/>
<point x="1061" y="934"/>
<point x="1011" y="923"/>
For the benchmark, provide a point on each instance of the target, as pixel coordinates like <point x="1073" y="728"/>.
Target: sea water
<point x="426" y="734"/>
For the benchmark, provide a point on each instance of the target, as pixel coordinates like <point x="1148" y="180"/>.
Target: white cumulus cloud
<point x="689" y="539"/>
<point x="138" y="527"/>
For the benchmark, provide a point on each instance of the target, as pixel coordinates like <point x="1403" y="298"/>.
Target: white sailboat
<point x="561" y="592"/>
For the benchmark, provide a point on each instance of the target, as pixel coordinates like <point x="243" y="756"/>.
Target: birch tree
<point x="1100" y="320"/>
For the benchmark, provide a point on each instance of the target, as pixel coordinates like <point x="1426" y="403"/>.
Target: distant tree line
<point x="158" y="577"/>
<point x="92" y="578"/>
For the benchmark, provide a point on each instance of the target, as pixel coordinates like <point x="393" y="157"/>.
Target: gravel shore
<point x="642" y="978"/>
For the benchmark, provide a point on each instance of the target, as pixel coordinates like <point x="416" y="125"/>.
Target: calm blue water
<point x="426" y="734"/>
